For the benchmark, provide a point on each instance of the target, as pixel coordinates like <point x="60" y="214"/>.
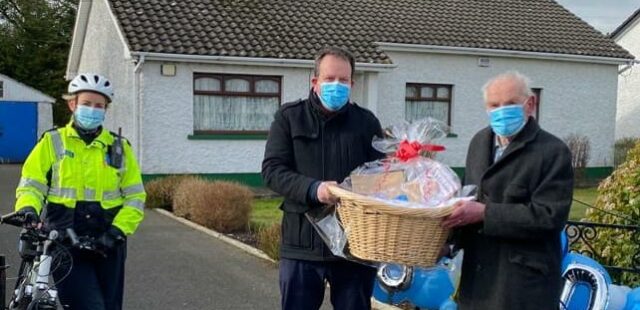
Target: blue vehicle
<point x="587" y="285"/>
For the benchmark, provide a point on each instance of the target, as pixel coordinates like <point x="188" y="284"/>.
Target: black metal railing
<point x="583" y="235"/>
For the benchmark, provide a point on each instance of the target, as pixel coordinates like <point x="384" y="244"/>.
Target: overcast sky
<point x="604" y="15"/>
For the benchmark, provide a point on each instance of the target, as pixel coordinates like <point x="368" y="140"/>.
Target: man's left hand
<point x="464" y="213"/>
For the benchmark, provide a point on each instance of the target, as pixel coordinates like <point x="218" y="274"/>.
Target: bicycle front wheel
<point x="19" y="299"/>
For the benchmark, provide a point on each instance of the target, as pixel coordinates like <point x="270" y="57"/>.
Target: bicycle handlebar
<point x="83" y="243"/>
<point x="12" y="219"/>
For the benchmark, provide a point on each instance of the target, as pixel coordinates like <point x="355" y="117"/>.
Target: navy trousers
<point x="95" y="282"/>
<point x="302" y="284"/>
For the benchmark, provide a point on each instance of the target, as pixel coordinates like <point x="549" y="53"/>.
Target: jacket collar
<point x="104" y="137"/>
<point x="524" y="137"/>
<point x="324" y="114"/>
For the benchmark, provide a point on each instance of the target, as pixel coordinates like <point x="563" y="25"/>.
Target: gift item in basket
<point x="372" y="183"/>
<point x="407" y="175"/>
<point x="380" y="232"/>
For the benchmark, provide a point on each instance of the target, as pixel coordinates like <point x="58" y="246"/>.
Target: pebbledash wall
<point x="577" y="97"/>
<point x="628" y="116"/>
<point x="169" y="145"/>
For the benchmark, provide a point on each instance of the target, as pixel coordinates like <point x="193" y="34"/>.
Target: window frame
<point x="252" y="93"/>
<point x="1" y="88"/>
<point x="418" y="87"/>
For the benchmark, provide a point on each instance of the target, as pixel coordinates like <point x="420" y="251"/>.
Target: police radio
<point x="116" y="151"/>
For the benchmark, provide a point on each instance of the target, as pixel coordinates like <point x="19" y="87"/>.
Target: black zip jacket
<point x="306" y="144"/>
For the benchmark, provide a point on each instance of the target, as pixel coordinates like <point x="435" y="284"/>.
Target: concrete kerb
<point x="245" y="247"/>
<point x="249" y="249"/>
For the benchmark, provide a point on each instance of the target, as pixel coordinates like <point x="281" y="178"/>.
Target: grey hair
<point x="516" y="76"/>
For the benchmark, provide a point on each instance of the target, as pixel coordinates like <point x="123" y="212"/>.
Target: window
<point x="1" y="89"/>
<point x="428" y="100"/>
<point x="234" y="103"/>
<point x="537" y="92"/>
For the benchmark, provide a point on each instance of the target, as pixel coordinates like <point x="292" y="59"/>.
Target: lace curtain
<point x="235" y="112"/>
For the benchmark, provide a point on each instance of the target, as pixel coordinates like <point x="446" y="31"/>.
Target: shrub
<point x="219" y="205"/>
<point x="619" y="194"/>
<point x="580" y="153"/>
<point x="160" y="191"/>
<point x="269" y="240"/>
<point x="621" y="148"/>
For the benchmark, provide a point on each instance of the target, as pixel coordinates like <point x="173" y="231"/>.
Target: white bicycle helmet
<point x="91" y="82"/>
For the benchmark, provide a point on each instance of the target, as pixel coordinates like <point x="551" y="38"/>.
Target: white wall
<point x="168" y="120"/>
<point x="628" y="115"/>
<point x="104" y="53"/>
<point x="45" y="117"/>
<point x="576" y="97"/>
<point x="16" y="91"/>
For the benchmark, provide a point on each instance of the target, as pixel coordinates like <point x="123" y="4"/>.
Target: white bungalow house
<point x="197" y="82"/>
<point x="627" y="35"/>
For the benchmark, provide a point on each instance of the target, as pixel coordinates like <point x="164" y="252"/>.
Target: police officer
<point x="86" y="178"/>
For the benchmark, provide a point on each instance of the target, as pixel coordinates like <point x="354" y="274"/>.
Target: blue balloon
<point x="633" y="300"/>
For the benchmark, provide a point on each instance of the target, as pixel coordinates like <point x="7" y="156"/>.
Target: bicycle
<point x="42" y="253"/>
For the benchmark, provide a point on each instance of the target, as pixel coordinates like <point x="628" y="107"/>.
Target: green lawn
<point x="266" y="212"/>
<point x="586" y="195"/>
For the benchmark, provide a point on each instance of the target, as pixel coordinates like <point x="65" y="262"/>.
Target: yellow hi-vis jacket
<point x="62" y="170"/>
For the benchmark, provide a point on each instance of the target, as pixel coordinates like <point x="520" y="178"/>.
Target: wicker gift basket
<point x="378" y="231"/>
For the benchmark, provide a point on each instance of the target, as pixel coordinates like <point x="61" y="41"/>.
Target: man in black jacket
<point x="314" y="143"/>
<point x="511" y="235"/>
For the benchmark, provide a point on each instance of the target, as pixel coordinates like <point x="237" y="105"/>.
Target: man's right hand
<point x="324" y="196"/>
<point x="31" y="218"/>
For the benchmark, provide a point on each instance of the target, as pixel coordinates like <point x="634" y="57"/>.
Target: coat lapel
<point x="528" y="133"/>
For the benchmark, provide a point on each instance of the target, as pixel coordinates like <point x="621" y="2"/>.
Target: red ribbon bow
<point x="408" y="150"/>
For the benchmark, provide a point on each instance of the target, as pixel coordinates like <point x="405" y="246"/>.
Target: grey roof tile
<point x="296" y="29"/>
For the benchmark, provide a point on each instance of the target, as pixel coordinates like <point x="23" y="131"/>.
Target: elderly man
<point x="313" y="143"/>
<point x="511" y="235"/>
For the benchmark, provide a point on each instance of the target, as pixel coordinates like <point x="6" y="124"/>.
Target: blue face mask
<point x="334" y="95"/>
<point x="87" y="117"/>
<point x="508" y="120"/>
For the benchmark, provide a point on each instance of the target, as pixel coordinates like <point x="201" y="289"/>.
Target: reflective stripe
<point x="58" y="146"/>
<point x="55" y="174"/>
<point x="26" y="182"/>
<point x="89" y="194"/>
<point x="133" y="189"/>
<point x="111" y="195"/>
<point x="63" y="192"/>
<point x="135" y="203"/>
<point x="58" y="149"/>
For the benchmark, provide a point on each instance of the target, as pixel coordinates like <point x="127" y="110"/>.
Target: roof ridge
<point x="296" y="29"/>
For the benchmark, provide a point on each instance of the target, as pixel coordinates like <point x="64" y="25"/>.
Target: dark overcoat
<point x="512" y="259"/>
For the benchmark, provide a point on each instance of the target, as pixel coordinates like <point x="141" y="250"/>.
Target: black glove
<point x="110" y="239"/>
<point x="31" y="218"/>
